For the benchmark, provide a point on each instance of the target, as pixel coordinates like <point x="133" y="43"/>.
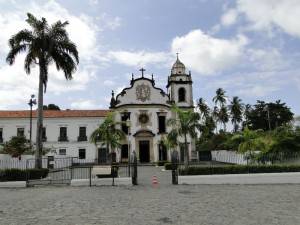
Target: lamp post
<point x="31" y="102"/>
<point x="128" y="143"/>
<point x="268" y="115"/>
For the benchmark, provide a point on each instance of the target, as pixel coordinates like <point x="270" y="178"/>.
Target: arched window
<point x="181" y="95"/>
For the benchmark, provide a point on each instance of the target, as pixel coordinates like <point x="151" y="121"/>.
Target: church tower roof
<point x="178" y="67"/>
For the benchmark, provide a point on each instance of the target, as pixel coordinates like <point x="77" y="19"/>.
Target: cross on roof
<point x="177" y="54"/>
<point x="142" y="70"/>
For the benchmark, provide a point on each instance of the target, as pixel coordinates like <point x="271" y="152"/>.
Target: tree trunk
<point x="186" y="155"/>
<point x="39" y="124"/>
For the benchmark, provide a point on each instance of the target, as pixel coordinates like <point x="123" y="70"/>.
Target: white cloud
<point x="229" y="17"/>
<point x="139" y="58"/>
<point x="207" y="54"/>
<point x="85" y="104"/>
<point x="268" y="14"/>
<point x="109" y="83"/>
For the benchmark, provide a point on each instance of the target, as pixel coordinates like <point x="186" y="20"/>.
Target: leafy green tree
<point x="273" y="114"/>
<point x="236" y="112"/>
<point x="108" y="134"/>
<point x="16" y="146"/>
<point x="186" y="123"/>
<point x="51" y="107"/>
<point x="44" y="45"/>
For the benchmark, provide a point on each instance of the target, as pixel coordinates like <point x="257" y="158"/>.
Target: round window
<point x="143" y="118"/>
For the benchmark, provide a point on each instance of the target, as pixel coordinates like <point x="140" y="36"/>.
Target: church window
<point x="181" y="95"/>
<point x="161" y="124"/>
<point x="143" y="118"/>
<point x="124" y="118"/>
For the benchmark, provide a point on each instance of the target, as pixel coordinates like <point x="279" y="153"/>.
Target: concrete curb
<point x="101" y="182"/>
<point x="13" y="184"/>
<point x="259" y="178"/>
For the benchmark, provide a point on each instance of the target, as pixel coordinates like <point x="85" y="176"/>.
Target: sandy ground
<point x="145" y="204"/>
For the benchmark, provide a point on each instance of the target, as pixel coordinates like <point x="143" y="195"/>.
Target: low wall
<point x="258" y="178"/>
<point x="101" y="182"/>
<point x="13" y="184"/>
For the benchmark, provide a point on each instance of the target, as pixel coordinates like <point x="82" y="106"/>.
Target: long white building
<point x="145" y="107"/>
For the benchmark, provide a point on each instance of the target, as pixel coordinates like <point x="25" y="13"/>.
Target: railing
<point x="63" y="138"/>
<point x="82" y="138"/>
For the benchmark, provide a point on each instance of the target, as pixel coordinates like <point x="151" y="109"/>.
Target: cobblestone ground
<point x="145" y="204"/>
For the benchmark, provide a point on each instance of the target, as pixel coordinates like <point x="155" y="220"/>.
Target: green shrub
<point x="162" y="163"/>
<point x="239" y="169"/>
<point x="22" y="175"/>
<point x="168" y="166"/>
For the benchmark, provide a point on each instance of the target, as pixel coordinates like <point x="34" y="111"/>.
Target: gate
<point x="60" y="171"/>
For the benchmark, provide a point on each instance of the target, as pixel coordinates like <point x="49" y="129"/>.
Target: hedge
<point x="239" y="169"/>
<point x="22" y="175"/>
<point x="168" y="166"/>
<point x="162" y="163"/>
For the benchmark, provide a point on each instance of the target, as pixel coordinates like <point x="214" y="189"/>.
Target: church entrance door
<point x="144" y="151"/>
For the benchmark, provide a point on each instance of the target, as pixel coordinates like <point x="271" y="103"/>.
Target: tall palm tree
<point x="186" y="123"/>
<point x="203" y="108"/>
<point x="220" y="97"/>
<point x="44" y="44"/>
<point x="215" y="116"/>
<point x="108" y="134"/>
<point x="223" y="116"/>
<point x="236" y="111"/>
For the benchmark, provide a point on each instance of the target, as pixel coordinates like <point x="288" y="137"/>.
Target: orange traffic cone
<point x="154" y="181"/>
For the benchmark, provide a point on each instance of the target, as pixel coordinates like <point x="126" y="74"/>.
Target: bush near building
<point x="239" y="169"/>
<point x="22" y="175"/>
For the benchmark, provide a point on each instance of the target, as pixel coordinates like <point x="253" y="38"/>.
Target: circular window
<point x="143" y="118"/>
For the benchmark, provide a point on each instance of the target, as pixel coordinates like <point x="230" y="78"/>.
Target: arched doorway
<point x="144" y="145"/>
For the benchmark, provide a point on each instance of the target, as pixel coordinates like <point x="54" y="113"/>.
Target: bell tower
<point x="180" y="85"/>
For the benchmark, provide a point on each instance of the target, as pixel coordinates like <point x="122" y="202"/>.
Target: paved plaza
<point x="145" y="204"/>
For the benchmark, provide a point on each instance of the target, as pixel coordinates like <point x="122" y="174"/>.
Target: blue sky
<point x="248" y="47"/>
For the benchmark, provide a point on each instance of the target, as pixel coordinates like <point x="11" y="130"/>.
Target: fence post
<point x="90" y="175"/>
<point x="134" y="172"/>
<point x="174" y="159"/>
<point x="71" y="168"/>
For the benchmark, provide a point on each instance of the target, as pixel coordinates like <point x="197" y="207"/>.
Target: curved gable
<point x="142" y="91"/>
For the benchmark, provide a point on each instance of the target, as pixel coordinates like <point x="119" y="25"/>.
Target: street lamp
<point x="128" y="124"/>
<point x="31" y="102"/>
<point x="266" y="108"/>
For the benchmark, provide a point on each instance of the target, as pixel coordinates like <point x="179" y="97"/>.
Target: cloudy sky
<point x="250" y="48"/>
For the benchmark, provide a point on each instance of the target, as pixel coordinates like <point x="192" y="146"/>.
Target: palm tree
<point x="203" y="108"/>
<point x="223" y="116"/>
<point x="236" y="111"/>
<point x="215" y="116"/>
<point x="108" y="134"/>
<point x="220" y="97"/>
<point x="185" y="123"/>
<point x="44" y="45"/>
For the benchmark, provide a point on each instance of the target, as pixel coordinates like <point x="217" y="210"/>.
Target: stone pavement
<point x="145" y="204"/>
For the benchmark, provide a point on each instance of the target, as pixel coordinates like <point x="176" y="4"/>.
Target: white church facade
<point x="144" y="107"/>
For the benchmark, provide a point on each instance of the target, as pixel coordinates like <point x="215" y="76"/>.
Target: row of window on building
<point x="161" y="123"/>
<point x="63" y="134"/>
<point x="81" y="152"/>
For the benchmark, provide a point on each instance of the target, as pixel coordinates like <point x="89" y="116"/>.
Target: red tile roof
<point x="54" y="113"/>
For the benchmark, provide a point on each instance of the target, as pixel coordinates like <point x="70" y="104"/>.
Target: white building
<point x="142" y="104"/>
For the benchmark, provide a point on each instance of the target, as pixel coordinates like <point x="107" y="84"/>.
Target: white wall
<point x="228" y="157"/>
<point x="52" y="132"/>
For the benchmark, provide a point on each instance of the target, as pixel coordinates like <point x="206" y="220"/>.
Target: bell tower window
<point x="181" y="95"/>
